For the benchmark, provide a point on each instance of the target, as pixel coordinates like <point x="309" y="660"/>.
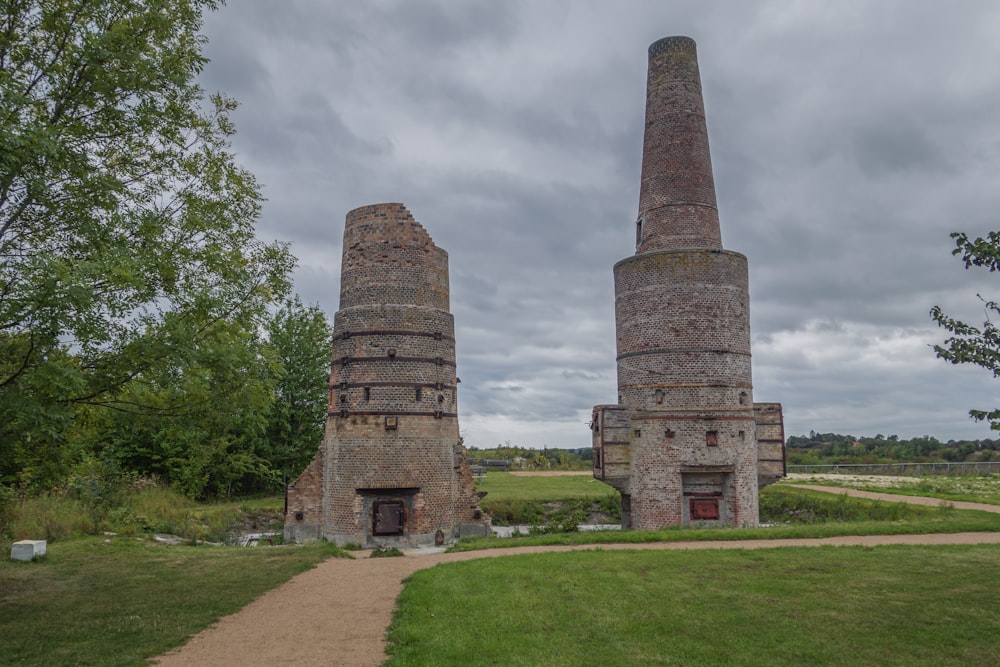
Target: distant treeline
<point x="817" y="448"/>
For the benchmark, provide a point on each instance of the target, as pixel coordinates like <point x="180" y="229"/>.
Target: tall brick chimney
<point x="677" y="206"/>
<point x="681" y="444"/>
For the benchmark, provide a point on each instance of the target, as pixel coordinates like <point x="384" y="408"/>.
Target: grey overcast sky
<point x="848" y="140"/>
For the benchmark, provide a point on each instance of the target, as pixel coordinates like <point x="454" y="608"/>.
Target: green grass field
<point x="793" y="513"/>
<point x="547" y="500"/>
<point x="934" y="606"/>
<point x="503" y="485"/>
<point x="118" y="601"/>
<point x="970" y="488"/>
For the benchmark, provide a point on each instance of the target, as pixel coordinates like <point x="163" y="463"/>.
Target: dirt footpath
<point x="337" y="613"/>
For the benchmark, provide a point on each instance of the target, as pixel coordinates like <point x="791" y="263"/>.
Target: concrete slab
<point x="27" y="549"/>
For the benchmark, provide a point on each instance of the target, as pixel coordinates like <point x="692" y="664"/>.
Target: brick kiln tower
<point x="390" y="470"/>
<point x="685" y="443"/>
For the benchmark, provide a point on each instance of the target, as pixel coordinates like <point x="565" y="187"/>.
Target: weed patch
<point x="386" y="552"/>
<point x="785" y="504"/>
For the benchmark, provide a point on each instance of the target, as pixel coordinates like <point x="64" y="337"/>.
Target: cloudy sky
<point x="848" y="140"/>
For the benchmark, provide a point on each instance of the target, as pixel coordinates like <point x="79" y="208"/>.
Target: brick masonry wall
<point x="390" y="259"/>
<point x="677" y="206"/>
<point x="392" y="432"/>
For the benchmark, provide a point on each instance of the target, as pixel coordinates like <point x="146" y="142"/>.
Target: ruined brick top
<point x="675" y="43"/>
<point x="389" y="258"/>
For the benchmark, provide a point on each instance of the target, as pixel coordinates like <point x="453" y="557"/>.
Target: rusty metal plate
<point x="704" y="509"/>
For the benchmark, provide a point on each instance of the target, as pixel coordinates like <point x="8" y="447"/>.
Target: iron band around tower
<point x="436" y="335"/>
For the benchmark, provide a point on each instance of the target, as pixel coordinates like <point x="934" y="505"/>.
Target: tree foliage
<point x="969" y="344"/>
<point x="827" y="448"/>
<point x="129" y="267"/>
<point x="299" y="341"/>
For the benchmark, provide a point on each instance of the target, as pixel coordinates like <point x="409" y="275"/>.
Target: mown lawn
<point x="934" y="606"/>
<point x="118" y="601"/>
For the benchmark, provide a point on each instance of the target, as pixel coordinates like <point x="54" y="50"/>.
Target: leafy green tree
<point x="299" y="344"/>
<point x="201" y="428"/>
<point x="969" y="344"/>
<point x="126" y="227"/>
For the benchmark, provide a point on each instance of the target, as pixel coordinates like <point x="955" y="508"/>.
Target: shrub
<point x="7" y="501"/>
<point x="790" y="505"/>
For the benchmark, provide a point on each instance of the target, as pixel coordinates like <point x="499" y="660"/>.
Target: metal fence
<point x="963" y="468"/>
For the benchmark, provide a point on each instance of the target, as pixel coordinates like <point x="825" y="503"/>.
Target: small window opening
<point x="712" y="438"/>
<point x="669" y="433"/>
<point x="637" y="433"/>
<point x="419" y="393"/>
<point x="638" y="231"/>
<point x="368" y="393"/>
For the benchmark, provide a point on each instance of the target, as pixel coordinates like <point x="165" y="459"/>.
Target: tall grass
<point x="142" y="509"/>
<point x="786" y="504"/>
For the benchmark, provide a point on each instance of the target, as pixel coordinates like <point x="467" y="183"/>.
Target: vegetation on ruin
<point x="119" y="601"/>
<point x="891" y="605"/>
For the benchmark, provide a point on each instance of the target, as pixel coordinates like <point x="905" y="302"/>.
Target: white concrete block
<point x="27" y="549"/>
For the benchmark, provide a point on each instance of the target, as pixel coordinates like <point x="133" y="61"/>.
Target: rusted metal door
<point x="389" y="518"/>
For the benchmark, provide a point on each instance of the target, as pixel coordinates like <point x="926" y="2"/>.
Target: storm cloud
<point x="848" y="140"/>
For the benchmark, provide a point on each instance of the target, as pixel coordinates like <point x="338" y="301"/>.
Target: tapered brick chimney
<point x="677" y="207"/>
<point x="682" y="444"/>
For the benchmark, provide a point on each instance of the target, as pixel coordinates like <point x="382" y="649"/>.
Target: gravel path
<point x="337" y="613"/>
